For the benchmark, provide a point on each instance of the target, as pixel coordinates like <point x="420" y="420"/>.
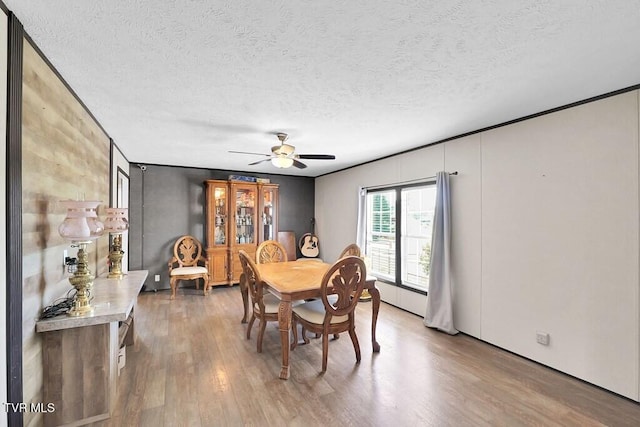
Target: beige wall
<point x="545" y="233"/>
<point x="65" y="155"/>
<point x="560" y="240"/>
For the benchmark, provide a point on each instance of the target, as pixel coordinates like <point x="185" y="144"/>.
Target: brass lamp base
<point x="82" y="280"/>
<point x="80" y="309"/>
<point x="115" y="258"/>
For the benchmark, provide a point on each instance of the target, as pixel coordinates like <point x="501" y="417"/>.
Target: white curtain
<point x="439" y="298"/>
<point x="361" y="227"/>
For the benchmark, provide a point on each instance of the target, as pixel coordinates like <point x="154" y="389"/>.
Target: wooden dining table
<point x="299" y="280"/>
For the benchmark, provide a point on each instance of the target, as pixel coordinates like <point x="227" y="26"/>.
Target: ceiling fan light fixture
<point x="282" y="162"/>
<point x="284" y="149"/>
<point x="283" y="156"/>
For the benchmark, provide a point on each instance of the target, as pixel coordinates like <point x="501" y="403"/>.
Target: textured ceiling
<point x="182" y="82"/>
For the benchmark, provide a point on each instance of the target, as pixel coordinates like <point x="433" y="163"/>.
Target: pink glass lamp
<point x="81" y="227"/>
<point x="116" y="223"/>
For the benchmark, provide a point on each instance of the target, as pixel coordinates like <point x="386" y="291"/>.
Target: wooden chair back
<point x="352" y="249"/>
<point x="270" y="251"/>
<point x="188" y="263"/>
<point x="187" y="251"/>
<point x="344" y="279"/>
<point x="253" y="280"/>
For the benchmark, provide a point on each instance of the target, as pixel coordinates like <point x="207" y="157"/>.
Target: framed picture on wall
<point x="122" y="201"/>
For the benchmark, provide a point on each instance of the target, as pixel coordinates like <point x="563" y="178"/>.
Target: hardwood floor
<point x="192" y="366"/>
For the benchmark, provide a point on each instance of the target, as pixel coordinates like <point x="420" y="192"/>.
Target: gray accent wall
<point x="167" y="202"/>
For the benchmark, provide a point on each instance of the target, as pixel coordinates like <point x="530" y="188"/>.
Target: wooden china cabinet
<point x="239" y="215"/>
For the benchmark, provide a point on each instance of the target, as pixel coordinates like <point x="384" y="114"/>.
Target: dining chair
<point x="327" y="316"/>
<point x="264" y="307"/>
<point x="188" y="263"/>
<point x="351" y="249"/>
<point x="270" y="251"/>
<point x="267" y="252"/>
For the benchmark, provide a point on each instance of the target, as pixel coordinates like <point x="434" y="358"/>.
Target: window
<point x="418" y="206"/>
<point x="398" y="241"/>
<point x="381" y="233"/>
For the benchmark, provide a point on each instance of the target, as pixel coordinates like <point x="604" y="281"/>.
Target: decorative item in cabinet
<point x="220" y="197"/>
<point x="268" y="211"/>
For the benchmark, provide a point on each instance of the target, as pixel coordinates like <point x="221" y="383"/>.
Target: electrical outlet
<point x="542" y="338"/>
<point x="157" y="278"/>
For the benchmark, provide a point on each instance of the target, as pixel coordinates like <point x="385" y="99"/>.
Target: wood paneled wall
<point x="65" y="155"/>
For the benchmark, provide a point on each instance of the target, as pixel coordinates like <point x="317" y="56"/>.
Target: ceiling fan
<point x="283" y="155"/>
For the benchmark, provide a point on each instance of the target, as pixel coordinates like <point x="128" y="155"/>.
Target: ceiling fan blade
<point x="259" y="161"/>
<point x="298" y="164"/>
<point x="246" y="152"/>
<point x="316" y="156"/>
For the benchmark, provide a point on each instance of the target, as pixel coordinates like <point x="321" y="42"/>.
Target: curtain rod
<point x="411" y="181"/>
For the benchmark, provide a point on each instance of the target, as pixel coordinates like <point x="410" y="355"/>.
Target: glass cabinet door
<point x="269" y="213"/>
<point x="245" y="200"/>
<point x="220" y="216"/>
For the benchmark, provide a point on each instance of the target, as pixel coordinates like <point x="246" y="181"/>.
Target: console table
<point x="80" y="354"/>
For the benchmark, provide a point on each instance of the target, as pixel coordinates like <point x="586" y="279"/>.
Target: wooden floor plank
<point x="192" y="365"/>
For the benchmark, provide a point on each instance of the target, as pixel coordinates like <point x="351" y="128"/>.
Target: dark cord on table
<point x="60" y="306"/>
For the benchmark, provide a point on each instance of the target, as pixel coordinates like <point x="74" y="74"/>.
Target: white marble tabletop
<point x="112" y="301"/>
